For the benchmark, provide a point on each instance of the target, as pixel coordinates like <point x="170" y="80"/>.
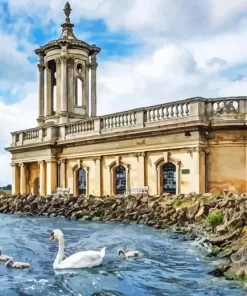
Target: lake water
<point x="168" y="266"/>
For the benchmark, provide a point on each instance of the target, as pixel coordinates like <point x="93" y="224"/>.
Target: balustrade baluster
<point x="149" y="115"/>
<point x="126" y="119"/>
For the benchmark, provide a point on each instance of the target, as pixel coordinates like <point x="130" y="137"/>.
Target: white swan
<point x="11" y="264"/>
<point x="128" y="254"/>
<point x="4" y="258"/>
<point x="77" y="260"/>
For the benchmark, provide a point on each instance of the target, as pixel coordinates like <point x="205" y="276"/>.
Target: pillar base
<point x="40" y="121"/>
<point x="63" y="117"/>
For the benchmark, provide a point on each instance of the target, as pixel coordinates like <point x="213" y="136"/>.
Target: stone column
<point x="42" y="178"/>
<point x="128" y="178"/>
<point x="23" y="179"/>
<point x="70" y="82"/>
<point x="51" y="176"/>
<point x="85" y="101"/>
<point x="178" y="177"/>
<point x="75" y="94"/>
<point x="49" y="91"/>
<point x="41" y="67"/>
<point x="94" y="66"/>
<point x="63" y="173"/>
<point x="141" y="168"/>
<point x="58" y="84"/>
<point x="98" y="182"/>
<point x="64" y="85"/>
<point x="15" y="178"/>
<point x="75" y="183"/>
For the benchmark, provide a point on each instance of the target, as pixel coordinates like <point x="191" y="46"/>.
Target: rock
<point x="208" y="194"/>
<point x="200" y="214"/>
<point x="238" y="220"/>
<point x="96" y="219"/>
<point x="151" y="222"/>
<point x="240" y="273"/>
<point x="221" y="229"/>
<point x="219" y="271"/>
<point x="240" y="255"/>
<point x="221" y="239"/>
<point x="192" y="210"/>
<point x="225" y="253"/>
<point x="214" y="252"/>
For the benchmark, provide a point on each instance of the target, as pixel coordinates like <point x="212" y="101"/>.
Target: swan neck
<point x="60" y="253"/>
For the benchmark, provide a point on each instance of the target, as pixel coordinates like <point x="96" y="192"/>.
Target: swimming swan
<point x="4" y="258"/>
<point x="128" y="254"/>
<point x="11" y="264"/>
<point x="78" y="260"/>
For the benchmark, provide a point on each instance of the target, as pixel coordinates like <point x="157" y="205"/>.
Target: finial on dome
<point x="67" y="9"/>
<point x="67" y="32"/>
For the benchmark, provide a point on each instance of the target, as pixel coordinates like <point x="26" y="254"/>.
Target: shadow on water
<point x="167" y="267"/>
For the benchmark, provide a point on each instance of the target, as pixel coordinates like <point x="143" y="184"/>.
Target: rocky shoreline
<point x="216" y="221"/>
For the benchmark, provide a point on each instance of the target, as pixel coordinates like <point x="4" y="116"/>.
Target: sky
<point x="153" y="51"/>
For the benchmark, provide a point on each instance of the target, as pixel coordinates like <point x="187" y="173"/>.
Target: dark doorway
<point x="169" y="182"/>
<point x="120" y="180"/>
<point x="82" y="175"/>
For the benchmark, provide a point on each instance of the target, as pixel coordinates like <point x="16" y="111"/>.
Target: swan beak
<point x="51" y="237"/>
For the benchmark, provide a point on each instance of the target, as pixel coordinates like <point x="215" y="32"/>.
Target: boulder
<point x="219" y="240"/>
<point x="221" y="229"/>
<point x="238" y="220"/>
<point x="192" y="210"/>
<point x="200" y="214"/>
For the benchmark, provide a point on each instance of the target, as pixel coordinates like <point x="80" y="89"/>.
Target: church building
<point x="192" y="145"/>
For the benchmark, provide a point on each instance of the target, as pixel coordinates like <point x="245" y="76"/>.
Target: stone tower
<point x="66" y="68"/>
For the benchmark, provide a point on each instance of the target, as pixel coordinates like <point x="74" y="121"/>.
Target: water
<point x="168" y="267"/>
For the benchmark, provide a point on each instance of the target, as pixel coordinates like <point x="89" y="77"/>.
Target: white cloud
<point x="186" y="47"/>
<point x="13" y="118"/>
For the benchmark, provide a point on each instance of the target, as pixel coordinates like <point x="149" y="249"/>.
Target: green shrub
<point x="215" y="218"/>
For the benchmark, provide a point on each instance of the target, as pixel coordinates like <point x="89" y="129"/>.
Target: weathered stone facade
<point x="198" y="144"/>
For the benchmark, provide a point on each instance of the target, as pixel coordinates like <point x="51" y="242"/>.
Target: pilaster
<point x="141" y="168"/>
<point x="98" y="180"/>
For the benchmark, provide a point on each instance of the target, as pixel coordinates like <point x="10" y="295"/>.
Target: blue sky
<point x="153" y="51"/>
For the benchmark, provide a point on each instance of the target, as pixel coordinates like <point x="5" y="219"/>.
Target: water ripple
<point x="167" y="267"/>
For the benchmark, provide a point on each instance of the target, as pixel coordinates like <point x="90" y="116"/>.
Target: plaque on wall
<point x="185" y="171"/>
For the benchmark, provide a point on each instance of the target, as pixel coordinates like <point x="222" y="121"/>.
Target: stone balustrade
<point x="178" y="112"/>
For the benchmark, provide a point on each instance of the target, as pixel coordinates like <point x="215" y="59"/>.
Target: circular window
<point x="79" y="68"/>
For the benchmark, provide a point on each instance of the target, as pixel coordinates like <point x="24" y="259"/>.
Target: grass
<point x="183" y="203"/>
<point x="4" y="191"/>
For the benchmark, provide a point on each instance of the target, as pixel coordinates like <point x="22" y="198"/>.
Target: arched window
<point x="82" y="181"/>
<point x="120" y="175"/>
<point x="168" y="175"/>
<point x="78" y="92"/>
